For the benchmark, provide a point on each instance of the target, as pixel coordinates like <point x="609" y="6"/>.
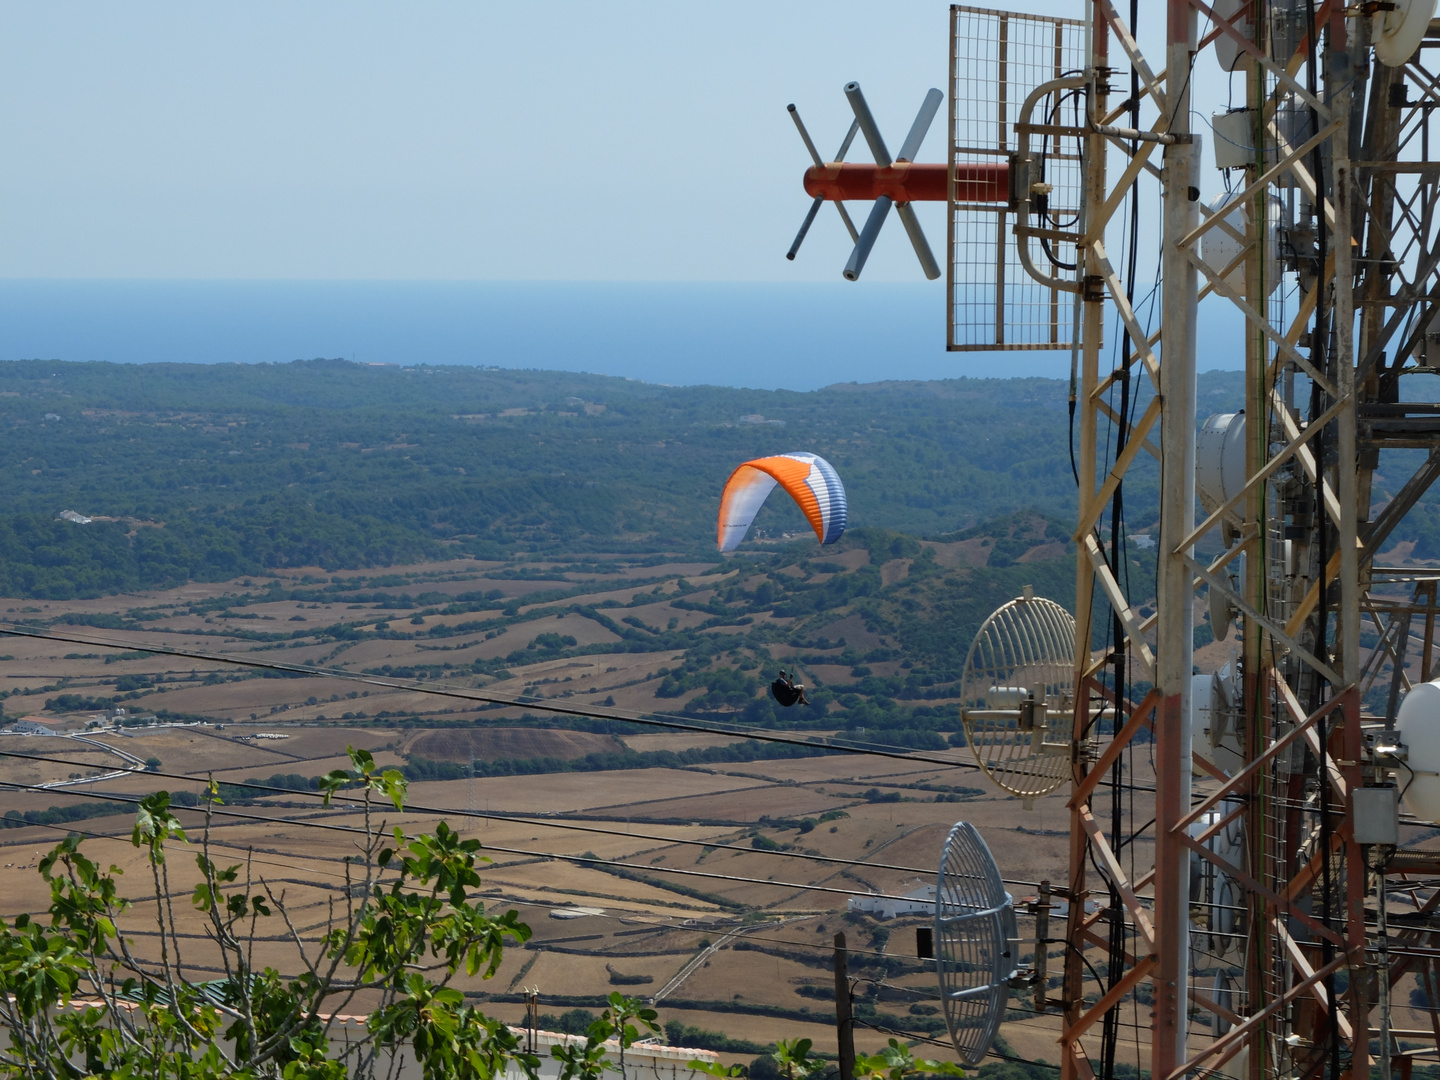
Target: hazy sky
<point x="445" y="140"/>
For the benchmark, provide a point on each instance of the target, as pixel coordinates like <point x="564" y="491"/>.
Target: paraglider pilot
<point x="788" y="693"/>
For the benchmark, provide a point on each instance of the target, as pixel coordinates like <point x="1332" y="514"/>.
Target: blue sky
<point x="558" y="143"/>
<point x="626" y="141"/>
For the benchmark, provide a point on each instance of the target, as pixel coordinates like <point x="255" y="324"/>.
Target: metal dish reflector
<point x="975" y="942"/>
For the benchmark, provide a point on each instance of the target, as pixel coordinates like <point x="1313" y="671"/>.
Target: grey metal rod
<point x="805" y="227"/>
<point x="867" y="125"/>
<point x="917" y="240"/>
<point x="923" y="119"/>
<point x="844" y="1017"/>
<point x="800" y="127"/>
<point x="1397" y="673"/>
<point x="1042" y="946"/>
<point x="845" y="214"/>
<point x="867" y="235"/>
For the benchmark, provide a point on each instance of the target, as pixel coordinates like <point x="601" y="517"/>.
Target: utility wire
<point x="354" y="804"/>
<point x="490" y="697"/>
<point x="1013" y="1006"/>
<point x="659" y="925"/>
<point x="593" y="712"/>
<point x="592" y="860"/>
<point x="545" y="822"/>
<point x="581" y="859"/>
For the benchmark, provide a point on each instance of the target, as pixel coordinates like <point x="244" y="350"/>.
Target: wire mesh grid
<point x="997" y="59"/>
<point x="1217" y="901"/>
<point x="975" y="942"/>
<point x="1269" y="827"/>
<point x="1019" y="696"/>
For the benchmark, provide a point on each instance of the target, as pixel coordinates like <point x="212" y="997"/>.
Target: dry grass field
<point x="675" y="861"/>
<point x="762" y="989"/>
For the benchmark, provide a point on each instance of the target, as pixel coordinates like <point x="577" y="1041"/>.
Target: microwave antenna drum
<point x="1018" y="696"/>
<point x="975" y="942"/>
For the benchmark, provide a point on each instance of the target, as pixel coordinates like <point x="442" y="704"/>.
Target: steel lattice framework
<point x="1335" y="268"/>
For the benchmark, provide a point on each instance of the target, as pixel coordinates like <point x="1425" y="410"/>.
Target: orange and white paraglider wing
<point x="806" y="478"/>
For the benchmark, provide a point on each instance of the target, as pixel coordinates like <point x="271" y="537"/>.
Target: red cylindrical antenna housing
<point x="906" y="182"/>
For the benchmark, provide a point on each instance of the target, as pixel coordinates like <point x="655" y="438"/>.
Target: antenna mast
<point x="1237" y="910"/>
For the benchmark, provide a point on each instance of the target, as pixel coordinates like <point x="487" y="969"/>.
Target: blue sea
<point x="768" y="336"/>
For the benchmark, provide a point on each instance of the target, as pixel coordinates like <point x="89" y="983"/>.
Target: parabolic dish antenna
<point x="1398" y="32"/>
<point x="975" y="942"/>
<point x="1019" y="696"/>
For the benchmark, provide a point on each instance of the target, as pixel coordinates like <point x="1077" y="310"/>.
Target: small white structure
<point x="918" y="901"/>
<point x="78" y="519"/>
<point x="644" y="1060"/>
<point x="649" y="1060"/>
<point x="575" y="912"/>
<point x="31" y="727"/>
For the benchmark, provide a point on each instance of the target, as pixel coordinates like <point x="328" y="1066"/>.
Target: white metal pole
<point x="1175" y="643"/>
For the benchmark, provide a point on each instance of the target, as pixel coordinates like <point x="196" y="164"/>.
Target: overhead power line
<point x="543" y="822"/>
<point x="490" y="697"/>
<point x="580" y="859"/>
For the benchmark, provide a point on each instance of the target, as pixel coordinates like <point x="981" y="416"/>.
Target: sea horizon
<point x="761" y="335"/>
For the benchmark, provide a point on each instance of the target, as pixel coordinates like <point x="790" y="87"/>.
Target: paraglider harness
<point x="786" y="692"/>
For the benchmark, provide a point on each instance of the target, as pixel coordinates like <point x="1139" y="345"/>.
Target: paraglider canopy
<point x="807" y="478"/>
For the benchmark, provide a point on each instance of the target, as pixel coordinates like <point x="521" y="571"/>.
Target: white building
<point x="643" y="1061"/>
<point x="31" y="727"/>
<point x="918" y="901"/>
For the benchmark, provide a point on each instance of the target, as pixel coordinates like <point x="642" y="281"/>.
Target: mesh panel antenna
<point x="997" y="58"/>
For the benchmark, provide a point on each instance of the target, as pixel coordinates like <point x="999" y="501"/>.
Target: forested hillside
<point x="207" y="472"/>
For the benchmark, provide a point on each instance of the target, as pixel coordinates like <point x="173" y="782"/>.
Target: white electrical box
<point x="1376" y="815"/>
<point x="1234" y="138"/>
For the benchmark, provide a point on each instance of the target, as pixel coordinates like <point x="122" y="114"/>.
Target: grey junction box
<point x="1377" y="815"/>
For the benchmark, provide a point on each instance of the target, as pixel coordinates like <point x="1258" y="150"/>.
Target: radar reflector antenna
<point x="1018" y="699"/>
<point x="975" y="942"/>
<point x="890" y="182"/>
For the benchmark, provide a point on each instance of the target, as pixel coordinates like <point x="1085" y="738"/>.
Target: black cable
<point x="629" y="918"/>
<point x="586" y="860"/>
<point x="1052" y="220"/>
<point x="1115" y="960"/>
<point x="593" y="712"/>
<point x="416" y="808"/>
<point x="511" y="900"/>
<point x="1321" y="339"/>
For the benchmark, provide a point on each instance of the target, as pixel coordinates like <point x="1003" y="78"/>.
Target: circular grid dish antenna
<point x="975" y="942"/>
<point x="1217" y="902"/>
<point x="1018" y="696"/>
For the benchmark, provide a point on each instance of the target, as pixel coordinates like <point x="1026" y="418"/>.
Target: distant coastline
<point x="759" y="335"/>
